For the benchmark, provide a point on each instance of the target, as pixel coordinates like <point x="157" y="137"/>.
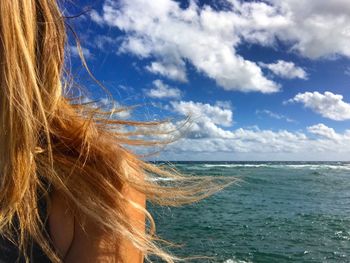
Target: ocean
<point x="280" y="212"/>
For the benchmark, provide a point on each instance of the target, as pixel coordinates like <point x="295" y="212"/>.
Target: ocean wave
<point x="283" y="166"/>
<point x="155" y="179"/>
<point x="236" y="165"/>
<point x="234" y="260"/>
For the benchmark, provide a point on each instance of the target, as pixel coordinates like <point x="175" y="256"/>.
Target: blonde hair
<point x="48" y="136"/>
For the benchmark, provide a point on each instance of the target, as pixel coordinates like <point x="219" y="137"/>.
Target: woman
<point x="69" y="191"/>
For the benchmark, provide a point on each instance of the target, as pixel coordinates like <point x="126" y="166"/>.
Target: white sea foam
<point x="160" y="179"/>
<point x="283" y="166"/>
<point x="234" y="260"/>
<point x="236" y="165"/>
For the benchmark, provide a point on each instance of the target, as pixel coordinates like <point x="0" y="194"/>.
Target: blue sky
<point x="261" y="80"/>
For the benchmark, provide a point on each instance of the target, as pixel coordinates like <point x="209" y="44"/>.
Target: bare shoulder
<point x="128" y="252"/>
<point x="61" y="224"/>
<point x="88" y="245"/>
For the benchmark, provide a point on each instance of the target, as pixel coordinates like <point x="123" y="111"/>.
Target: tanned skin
<point x="76" y="245"/>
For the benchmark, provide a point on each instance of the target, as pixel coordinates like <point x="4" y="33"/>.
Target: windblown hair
<point x="47" y="136"/>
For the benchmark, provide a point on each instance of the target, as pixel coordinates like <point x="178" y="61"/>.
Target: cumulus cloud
<point x="210" y="135"/>
<point x="208" y="38"/>
<point x="172" y="71"/>
<point x="162" y="90"/>
<point x="243" y="140"/>
<point x="285" y="69"/>
<point x="323" y="131"/>
<point x="172" y="36"/>
<point x="328" y="105"/>
<point x="263" y="144"/>
<point x="206" y="120"/>
<point x="302" y="24"/>
<point x="204" y="112"/>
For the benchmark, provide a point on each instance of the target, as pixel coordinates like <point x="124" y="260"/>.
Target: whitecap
<point x="284" y="166"/>
<point x="160" y="179"/>
<point x="234" y="260"/>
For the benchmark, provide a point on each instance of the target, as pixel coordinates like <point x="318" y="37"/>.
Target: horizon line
<point x="248" y="161"/>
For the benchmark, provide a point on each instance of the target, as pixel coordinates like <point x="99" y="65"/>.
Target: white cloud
<point x="102" y="42"/>
<point x="75" y="52"/>
<point x="208" y="39"/>
<point x="225" y="104"/>
<point x="162" y="90"/>
<point x="174" y="72"/>
<point x="138" y="46"/>
<point x="210" y="136"/>
<point x="96" y="17"/>
<point x="173" y="36"/>
<point x="203" y="112"/>
<point x="263" y="144"/>
<point x="328" y="105"/>
<point x="118" y="110"/>
<point x="275" y="115"/>
<point x="313" y="28"/>
<point x="206" y="120"/>
<point x="347" y="71"/>
<point x="285" y="69"/>
<point x="323" y="131"/>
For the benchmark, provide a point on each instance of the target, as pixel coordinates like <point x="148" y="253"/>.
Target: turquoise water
<point x="282" y="212"/>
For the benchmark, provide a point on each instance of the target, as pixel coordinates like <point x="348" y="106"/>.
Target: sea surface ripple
<point x="279" y="212"/>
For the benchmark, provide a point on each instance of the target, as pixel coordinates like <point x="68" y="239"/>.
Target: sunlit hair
<point x="48" y="136"/>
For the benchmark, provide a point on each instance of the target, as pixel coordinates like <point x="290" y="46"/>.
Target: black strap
<point x="10" y="253"/>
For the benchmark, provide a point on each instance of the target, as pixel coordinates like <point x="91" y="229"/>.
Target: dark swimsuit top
<point x="9" y="253"/>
